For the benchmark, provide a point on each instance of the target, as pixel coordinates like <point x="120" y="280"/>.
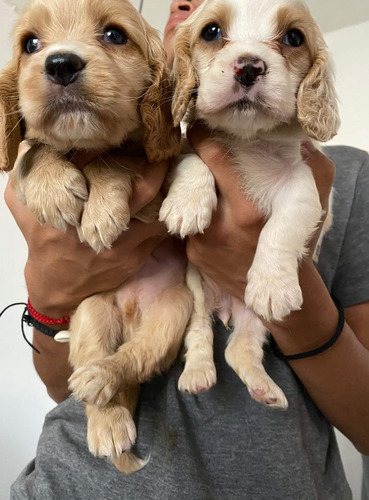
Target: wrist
<point x="51" y="305"/>
<point x="48" y="320"/>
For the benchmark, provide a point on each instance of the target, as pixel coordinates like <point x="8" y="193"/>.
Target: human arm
<point x="60" y="272"/>
<point x="335" y="379"/>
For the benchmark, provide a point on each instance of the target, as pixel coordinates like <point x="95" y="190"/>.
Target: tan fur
<point x="132" y="90"/>
<point x="129" y="87"/>
<point x="10" y="134"/>
<point x="107" y="377"/>
<point x="121" y="338"/>
<point x="185" y="76"/>
<point x="161" y="140"/>
<point x="53" y="189"/>
<point x="107" y="213"/>
<point x="316" y="100"/>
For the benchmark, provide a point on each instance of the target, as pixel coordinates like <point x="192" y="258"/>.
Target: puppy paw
<point x="197" y="380"/>
<point x="103" y="220"/>
<point x="273" y="295"/>
<point x="110" y="431"/>
<point x="55" y="201"/>
<point x="95" y="383"/>
<point x="263" y="390"/>
<point x="260" y="386"/>
<point x="188" y="214"/>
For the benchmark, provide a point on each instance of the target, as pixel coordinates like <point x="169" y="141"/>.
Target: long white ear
<point x="10" y="131"/>
<point x="184" y="74"/>
<point x="161" y="136"/>
<point x="317" y="108"/>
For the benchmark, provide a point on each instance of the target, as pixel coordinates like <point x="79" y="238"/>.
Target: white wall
<point x="23" y="400"/>
<point x="351" y="56"/>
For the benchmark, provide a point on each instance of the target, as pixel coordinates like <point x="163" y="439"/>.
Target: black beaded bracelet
<point x="31" y="321"/>
<point x="324" y="347"/>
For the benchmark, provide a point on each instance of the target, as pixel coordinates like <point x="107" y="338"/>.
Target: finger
<point x="144" y="250"/>
<point x="148" y="246"/>
<point x="139" y="232"/>
<point x="20" y="212"/>
<point x="148" y="185"/>
<point x="219" y="162"/>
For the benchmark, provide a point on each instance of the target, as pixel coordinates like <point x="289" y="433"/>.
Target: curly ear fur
<point x="317" y="109"/>
<point x="185" y="79"/>
<point x="161" y="137"/>
<point x="10" y="132"/>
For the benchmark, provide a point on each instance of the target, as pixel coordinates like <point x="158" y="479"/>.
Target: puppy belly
<point x="163" y="270"/>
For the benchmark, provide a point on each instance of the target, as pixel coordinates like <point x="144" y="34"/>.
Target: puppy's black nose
<point x="63" y="69"/>
<point x="247" y="69"/>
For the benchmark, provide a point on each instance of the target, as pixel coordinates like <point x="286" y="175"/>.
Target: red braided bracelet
<point x="45" y="319"/>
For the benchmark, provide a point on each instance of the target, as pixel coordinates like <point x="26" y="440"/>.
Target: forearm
<point x="335" y="379"/>
<point x="52" y="365"/>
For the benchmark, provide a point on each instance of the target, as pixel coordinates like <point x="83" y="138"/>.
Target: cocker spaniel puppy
<point x="91" y="75"/>
<point x="258" y="74"/>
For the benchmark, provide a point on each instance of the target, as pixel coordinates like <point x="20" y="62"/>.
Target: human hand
<point x="226" y="249"/>
<point x="60" y="272"/>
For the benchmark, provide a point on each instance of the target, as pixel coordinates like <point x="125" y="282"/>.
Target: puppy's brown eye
<point x="115" y="36"/>
<point x="31" y="44"/>
<point x="293" y="38"/>
<point x="211" y="32"/>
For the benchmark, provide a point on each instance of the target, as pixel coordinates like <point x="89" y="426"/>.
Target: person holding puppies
<point x="219" y="444"/>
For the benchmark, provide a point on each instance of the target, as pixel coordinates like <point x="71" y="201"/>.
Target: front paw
<point x="103" y="220"/>
<point x="55" y="201"/>
<point x="95" y="383"/>
<point x="187" y="215"/>
<point x="110" y="431"/>
<point x="272" y="292"/>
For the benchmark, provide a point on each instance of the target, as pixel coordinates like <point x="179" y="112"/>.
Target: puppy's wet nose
<point x="248" y="69"/>
<point x="63" y="69"/>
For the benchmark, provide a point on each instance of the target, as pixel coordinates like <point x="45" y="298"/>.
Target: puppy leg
<point x="107" y="214"/>
<point x="52" y="187"/>
<point x="96" y="332"/>
<point x="191" y="199"/>
<point x="244" y="354"/>
<point x="199" y="374"/>
<point x="111" y="429"/>
<point x="273" y="289"/>
<point x="152" y="349"/>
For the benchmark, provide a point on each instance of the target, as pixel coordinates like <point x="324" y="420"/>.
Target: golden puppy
<point x="90" y="75"/>
<point x="258" y="74"/>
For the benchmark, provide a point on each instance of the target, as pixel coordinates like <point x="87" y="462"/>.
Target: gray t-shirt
<point x="222" y="445"/>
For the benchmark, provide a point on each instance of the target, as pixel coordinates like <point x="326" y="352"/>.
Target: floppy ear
<point x="10" y="131"/>
<point x="185" y="79"/>
<point x="317" y="109"/>
<point x="161" y="138"/>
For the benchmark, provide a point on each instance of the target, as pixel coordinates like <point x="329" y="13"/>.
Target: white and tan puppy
<point x="91" y="75"/>
<point x="258" y="74"/>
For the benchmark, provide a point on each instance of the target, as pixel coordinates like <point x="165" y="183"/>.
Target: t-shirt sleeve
<point x="351" y="282"/>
